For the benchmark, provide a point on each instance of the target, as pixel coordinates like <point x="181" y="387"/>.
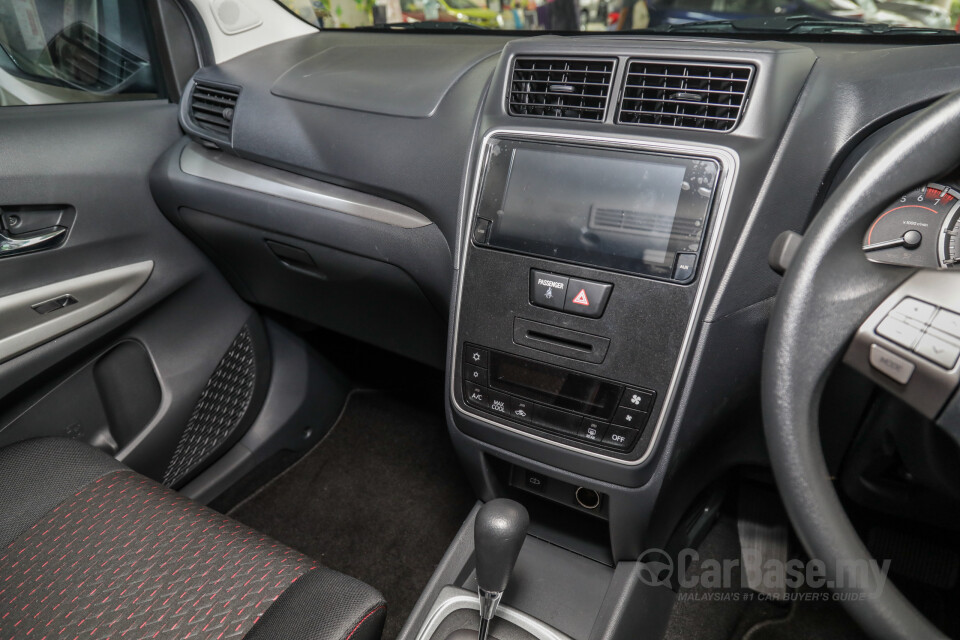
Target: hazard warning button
<point x="586" y="297"/>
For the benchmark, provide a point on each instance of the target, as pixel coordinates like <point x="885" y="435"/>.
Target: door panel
<point x="135" y="400"/>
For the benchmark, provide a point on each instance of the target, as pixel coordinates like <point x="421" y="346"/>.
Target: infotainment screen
<point x="621" y="210"/>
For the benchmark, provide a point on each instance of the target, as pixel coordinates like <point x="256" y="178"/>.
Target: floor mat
<point x="706" y="611"/>
<point x="379" y="499"/>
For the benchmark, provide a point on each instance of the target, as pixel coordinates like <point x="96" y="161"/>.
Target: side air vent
<point x="568" y="88"/>
<point x="690" y="95"/>
<point x="212" y="108"/>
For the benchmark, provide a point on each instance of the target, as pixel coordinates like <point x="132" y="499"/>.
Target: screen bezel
<point x="494" y="184"/>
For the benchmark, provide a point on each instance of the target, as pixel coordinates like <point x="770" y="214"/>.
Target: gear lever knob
<point x="498" y="534"/>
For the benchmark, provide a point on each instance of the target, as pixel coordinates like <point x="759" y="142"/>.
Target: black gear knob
<point x="498" y="534"/>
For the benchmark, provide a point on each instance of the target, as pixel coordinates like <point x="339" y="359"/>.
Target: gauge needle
<point x="910" y="240"/>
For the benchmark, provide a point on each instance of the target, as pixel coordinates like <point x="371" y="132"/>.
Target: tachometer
<point x="918" y="230"/>
<point x="949" y="244"/>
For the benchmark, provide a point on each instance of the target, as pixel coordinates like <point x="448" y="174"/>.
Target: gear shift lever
<point x="498" y="534"/>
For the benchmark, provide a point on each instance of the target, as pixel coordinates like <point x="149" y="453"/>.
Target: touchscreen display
<point x="620" y="210"/>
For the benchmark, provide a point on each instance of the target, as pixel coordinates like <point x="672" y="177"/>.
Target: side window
<point x="55" y="51"/>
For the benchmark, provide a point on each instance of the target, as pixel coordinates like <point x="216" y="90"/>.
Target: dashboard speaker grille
<point x="688" y="95"/>
<point x="568" y="88"/>
<point x="213" y="107"/>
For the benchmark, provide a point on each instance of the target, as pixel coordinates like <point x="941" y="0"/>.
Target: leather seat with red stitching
<point x="91" y="549"/>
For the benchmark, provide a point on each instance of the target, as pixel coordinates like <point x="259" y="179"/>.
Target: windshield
<point x="872" y="17"/>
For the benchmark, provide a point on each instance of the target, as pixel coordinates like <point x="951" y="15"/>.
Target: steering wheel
<point x="830" y="300"/>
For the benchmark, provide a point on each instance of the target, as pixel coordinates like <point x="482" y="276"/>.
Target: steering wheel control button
<point x="638" y="399"/>
<point x="890" y="364"/>
<point x="938" y="350"/>
<point x="899" y="331"/>
<point x="913" y="309"/>
<point x="685" y="268"/>
<point x="548" y="289"/>
<point x="587" y="298"/>
<point x="948" y="322"/>
<point x="593" y="430"/>
<point x="620" y="437"/>
<point x="630" y="418"/>
<point x="476" y="375"/>
<point x="476" y="356"/>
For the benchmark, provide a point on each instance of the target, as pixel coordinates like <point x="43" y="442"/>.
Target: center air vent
<point x="213" y="107"/>
<point x="569" y="88"/>
<point x="691" y="95"/>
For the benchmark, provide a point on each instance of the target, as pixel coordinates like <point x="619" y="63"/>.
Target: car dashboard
<point x="576" y="229"/>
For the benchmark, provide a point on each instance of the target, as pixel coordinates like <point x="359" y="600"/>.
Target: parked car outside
<point x="928" y="15"/>
<point x="666" y="12"/>
<point x="452" y="11"/>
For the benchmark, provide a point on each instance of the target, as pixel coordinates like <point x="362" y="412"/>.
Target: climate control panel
<point x="555" y="400"/>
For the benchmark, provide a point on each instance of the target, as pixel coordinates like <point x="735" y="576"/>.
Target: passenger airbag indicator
<point x="548" y="289"/>
<point x="581" y="297"/>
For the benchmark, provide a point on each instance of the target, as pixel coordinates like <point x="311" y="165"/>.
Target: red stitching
<point x="362" y="621"/>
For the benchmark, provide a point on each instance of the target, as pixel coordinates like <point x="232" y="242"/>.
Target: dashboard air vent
<point x="690" y="95"/>
<point x="568" y="88"/>
<point x="213" y="107"/>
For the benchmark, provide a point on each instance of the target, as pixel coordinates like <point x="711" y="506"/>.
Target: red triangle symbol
<point x="582" y="298"/>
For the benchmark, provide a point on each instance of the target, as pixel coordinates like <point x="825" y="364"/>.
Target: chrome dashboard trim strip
<point x="730" y="165"/>
<point x="230" y="170"/>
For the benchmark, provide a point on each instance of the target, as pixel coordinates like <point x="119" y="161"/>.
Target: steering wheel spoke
<point x="910" y="344"/>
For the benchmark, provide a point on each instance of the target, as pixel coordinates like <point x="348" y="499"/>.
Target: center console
<point x="582" y="356"/>
<point x="584" y="260"/>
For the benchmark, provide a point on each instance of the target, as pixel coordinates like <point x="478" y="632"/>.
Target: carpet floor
<point x="736" y="613"/>
<point x="379" y="499"/>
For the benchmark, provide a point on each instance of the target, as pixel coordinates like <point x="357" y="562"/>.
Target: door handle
<point x="48" y="238"/>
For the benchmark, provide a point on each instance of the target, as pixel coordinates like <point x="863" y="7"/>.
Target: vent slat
<point x="227" y="102"/>
<point x="675" y="114"/>
<point x="212" y="108"/>
<point x="691" y="102"/>
<point x="691" y="95"/>
<point x="212" y="120"/>
<point x="566" y="88"/>
<point x="683" y="77"/>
